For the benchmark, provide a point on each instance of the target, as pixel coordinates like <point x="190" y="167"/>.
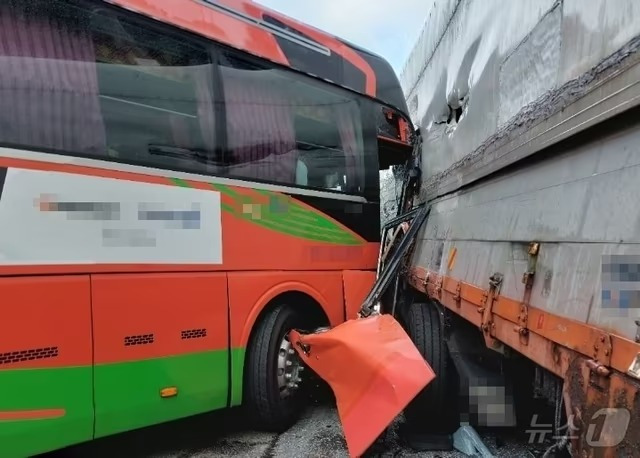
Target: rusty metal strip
<point x="546" y="331"/>
<point x="489" y="297"/>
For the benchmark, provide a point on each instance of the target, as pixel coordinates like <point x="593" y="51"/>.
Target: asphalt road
<point x="318" y="434"/>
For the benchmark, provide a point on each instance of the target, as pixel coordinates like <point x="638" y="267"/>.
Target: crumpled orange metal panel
<point x="374" y="369"/>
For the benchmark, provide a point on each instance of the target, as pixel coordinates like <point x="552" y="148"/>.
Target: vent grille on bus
<point x="13" y="357"/>
<point x="194" y="334"/>
<point x="143" y="339"/>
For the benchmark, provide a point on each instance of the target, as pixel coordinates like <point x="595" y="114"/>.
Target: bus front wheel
<point x="274" y="372"/>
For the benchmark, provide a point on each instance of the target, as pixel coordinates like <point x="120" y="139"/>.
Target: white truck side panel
<point x="499" y="83"/>
<point x="580" y="204"/>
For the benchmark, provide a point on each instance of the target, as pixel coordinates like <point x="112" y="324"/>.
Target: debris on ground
<point x="467" y="441"/>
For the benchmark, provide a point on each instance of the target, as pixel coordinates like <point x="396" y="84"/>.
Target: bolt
<point x="287" y="376"/>
<point x="300" y="369"/>
<point x="289" y="363"/>
<point x="602" y="339"/>
<point x="606" y="352"/>
<point x="291" y="351"/>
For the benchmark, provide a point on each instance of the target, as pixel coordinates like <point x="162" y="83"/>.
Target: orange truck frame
<point x="181" y="184"/>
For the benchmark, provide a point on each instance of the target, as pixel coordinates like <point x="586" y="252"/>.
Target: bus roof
<point x="251" y="27"/>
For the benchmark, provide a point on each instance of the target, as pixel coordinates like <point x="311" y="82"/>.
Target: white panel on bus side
<point x="64" y="218"/>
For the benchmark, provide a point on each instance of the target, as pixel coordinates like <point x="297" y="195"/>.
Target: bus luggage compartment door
<point x="46" y="381"/>
<point x="161" y="347"/>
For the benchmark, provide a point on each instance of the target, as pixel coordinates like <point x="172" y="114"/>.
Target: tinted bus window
<point x="156" y="97"/>
<point x="79" y="78"/>
<point x="76" y="78"/>
<point x="48" y="79"/>
<point x="283" y="127"/>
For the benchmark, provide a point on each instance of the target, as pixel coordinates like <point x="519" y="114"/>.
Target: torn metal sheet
<point x="374" y="370"/>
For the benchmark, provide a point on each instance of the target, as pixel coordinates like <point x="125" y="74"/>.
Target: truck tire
<point x="272" y="407"/>
<point x="423" y="325"/>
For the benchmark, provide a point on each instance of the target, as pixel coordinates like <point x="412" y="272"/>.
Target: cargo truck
<point x="523" y="283"/>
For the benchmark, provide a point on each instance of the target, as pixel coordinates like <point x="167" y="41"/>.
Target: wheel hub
<point x="289" y="369"/>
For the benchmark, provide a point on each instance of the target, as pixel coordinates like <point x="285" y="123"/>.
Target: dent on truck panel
<point x="499" y="58"/>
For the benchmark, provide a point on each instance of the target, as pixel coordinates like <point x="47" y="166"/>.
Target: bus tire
<point x="269" y="410"/>
<point x="424" y="326"/>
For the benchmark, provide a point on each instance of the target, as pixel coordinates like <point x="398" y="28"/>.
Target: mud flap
<point x="374" y="370"/>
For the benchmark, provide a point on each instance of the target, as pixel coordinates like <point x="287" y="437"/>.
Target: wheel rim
<point x="289" y="368"/>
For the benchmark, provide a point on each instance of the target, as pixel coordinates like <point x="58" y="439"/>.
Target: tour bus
<point x="182" y="182"/>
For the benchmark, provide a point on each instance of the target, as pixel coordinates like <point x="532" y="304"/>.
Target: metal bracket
<point x="602" y="350"/>
<point x="438" y="289"/>
<point x="387" y="274"/>
<point x="599" y="365"/>
<point x="527" y="278"/>
<point x="488" y="299"/>
<point x="458" y="298"/>
<point x="523" y="324"/>
<point x="634" y="368"/>
<point x="425" y="282"/>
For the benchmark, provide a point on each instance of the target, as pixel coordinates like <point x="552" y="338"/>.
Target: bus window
<point x="48" y="81"/>
<point x="282" y="127"/>
<point x="77" y="79"/>
<point x="156" y="94"/>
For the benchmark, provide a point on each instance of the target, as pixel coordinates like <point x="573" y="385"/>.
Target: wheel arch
<point x="298" y="295"/>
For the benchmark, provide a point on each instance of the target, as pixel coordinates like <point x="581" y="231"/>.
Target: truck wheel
<point x="423" y="325"/>
<point x="273" y="372"/>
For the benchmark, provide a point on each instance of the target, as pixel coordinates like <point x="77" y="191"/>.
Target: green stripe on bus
<point x="127" y="395"/>
<point x="67" y="389"/>
<point x="180" y="182"/>
<point x="226" y="190"/>
<point x="285" y="215"/>
<point x="237" y="375"/>
<point x="291" y="229"/>
<point x="292" y="219"/>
